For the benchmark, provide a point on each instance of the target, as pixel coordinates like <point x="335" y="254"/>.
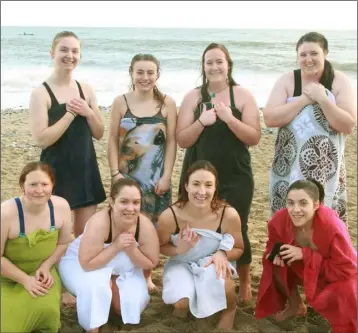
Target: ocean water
<point x="260" y="57"/>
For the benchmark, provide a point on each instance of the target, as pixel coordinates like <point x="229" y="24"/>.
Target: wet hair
<point x="203" y="88"/>
<point x="33" y="166"/>
<point x="121" y="183"/>
<point x="158" y="95"/>
<point x="61" y="35"/>
<point x="216" y="203"/>
<point x="328" y="72"/>
<point x="312" y="187"/>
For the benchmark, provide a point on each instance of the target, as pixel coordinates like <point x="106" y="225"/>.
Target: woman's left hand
<point x="162" y="186"/>
<point x="290" y="253"/>
<point x="80" y="106"/>
<point x="223" y="111"/>
<point x="44" y="276"/>
<point x="315" y="91"/>
<point x="222" y="268"/>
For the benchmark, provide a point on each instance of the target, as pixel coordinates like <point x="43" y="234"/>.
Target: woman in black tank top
<point x="222" y="135"/>
<point x="191" y="233"/>
<point x="104" y="267"/>
<point x="64" y="118"/>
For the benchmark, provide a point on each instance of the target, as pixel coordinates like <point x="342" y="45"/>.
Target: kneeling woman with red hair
<point x="309" y="245"/>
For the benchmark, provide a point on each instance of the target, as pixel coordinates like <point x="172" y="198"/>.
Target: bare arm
<point x="234" y="228"/>
<point x="64" y="237"/>
<point x="92" y="254"/>
<point x="8" y="269"/>
<point x="279" y="113"/>
<point x="248" y="130"/>
<point x="94" y="119"/>
<point x="166" y="227"/>
<point x="43" y="134"/>
<point x="341" y="116"/>
<point x="146" y="256"/>
<point x="113" y="137"/>
<point x="188" y="130"/>
<point x="170" y="145"/>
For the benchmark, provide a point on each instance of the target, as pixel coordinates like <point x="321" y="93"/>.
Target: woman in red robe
<point x="317" y="253"/>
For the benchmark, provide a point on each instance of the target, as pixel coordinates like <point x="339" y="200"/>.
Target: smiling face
<point x="301" y="207"/>
<point x="201" y="188"/>
<point x="216" y="66"/>
<point x="66" y="53"/>
<point x="126" y="205"/>
<point x="311" y="58"/>
<point x="144" y="75"/>
<point x="37" y="187"/>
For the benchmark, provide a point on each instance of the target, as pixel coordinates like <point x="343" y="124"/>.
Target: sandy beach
<point x="17" y="149"/>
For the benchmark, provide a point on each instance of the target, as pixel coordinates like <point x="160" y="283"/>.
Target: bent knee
<point x="182" y="303"/>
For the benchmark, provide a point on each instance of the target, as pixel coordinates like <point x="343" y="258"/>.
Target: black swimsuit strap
<point x="81" y="91"/>
<point x="176" y="221"/>
<point x="298" y="83"/>
<point x="109" y="239"/>
<point x="232" y="99"/>
<point x="218" y="230"/>
<point x="52" y="95"/>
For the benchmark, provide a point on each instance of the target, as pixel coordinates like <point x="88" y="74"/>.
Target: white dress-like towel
<point x="93" y="291"/>
<point x="185" y="275"/>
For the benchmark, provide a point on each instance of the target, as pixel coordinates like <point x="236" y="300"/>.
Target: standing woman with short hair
<point x="64" y="117"/>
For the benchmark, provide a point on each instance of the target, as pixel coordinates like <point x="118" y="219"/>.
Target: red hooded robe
<point x="328" y="272"/>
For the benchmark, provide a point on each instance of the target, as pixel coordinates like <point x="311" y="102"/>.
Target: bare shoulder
<point x="193" y="95"/>
<point x="59" y="202"/>
<point x="169" y="101"/>
<point x="242" y="92"/>
<point x="231" y="214"/>
<point x="40" y="93"/>
<point x="146" y="224"/>
<point x="8" y="210"/>
<point x="340" y="80"/>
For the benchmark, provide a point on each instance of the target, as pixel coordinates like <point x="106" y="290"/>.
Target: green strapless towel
<point x="20" y="312"/>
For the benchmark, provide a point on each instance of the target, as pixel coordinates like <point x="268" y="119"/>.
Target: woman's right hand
<point x="124" y="240"/>
<point x="35" y="287"/>
<point x="187" y="239"/>
<point x="208" y="117"/>
<point x="116" y="177"/>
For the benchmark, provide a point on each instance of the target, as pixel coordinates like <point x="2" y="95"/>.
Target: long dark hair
<point x="328" y="72"/>
<point x="204" y="87"/>
<point x="216" y="203"/>
<point x="158" y="95"/>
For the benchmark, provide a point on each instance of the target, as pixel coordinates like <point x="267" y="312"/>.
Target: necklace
<point x="213" y="94"/>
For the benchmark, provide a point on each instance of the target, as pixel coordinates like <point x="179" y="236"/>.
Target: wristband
<point x="115" y="174"/>
<point x="201" y="123"/>
<point x="73" y="114"/>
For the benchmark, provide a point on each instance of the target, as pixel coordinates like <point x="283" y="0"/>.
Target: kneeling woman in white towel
<point x="104" y="266"/>
<point x="201" y="235"/>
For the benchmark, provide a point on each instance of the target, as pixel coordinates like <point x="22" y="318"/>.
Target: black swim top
<point x="218" y="230"/>
<point x="109" y="239"/>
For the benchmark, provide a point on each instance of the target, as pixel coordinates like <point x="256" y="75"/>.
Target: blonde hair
<point x="61" y="35"/>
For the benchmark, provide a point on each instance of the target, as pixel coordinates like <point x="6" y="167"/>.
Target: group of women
<point x="205" y="233"/>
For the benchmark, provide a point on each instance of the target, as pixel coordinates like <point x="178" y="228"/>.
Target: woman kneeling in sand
<point x="313" y="249"/>
<point x="104" y="266"/>
<point x="200" y="234"/>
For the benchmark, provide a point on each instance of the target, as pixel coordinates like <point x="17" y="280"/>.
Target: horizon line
<point x="164" y="27"/>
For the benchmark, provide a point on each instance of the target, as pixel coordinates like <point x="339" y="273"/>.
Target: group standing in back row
<point x="313" y="107"/>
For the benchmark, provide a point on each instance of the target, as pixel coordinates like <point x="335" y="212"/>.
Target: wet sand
<point x="17" y="149"/>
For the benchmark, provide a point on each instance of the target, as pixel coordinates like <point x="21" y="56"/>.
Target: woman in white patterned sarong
<point x="201" y="235"/>
<point x="314" y="108"/>
<point x="104" y="266"/>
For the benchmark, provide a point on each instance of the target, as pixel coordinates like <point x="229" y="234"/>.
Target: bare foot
<point x="181" y="312"/>
<point x="68" y="299"/>
<point x="227" y="319"/>
<point x="245" y="295"/>
<point x="151" y="286"/>
<point x="291" y="311"/>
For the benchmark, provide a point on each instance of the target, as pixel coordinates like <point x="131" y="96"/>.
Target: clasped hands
<point x="220" y="110"/>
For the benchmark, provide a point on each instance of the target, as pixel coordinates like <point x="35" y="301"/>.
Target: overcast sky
<point x="327" y="15"/>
